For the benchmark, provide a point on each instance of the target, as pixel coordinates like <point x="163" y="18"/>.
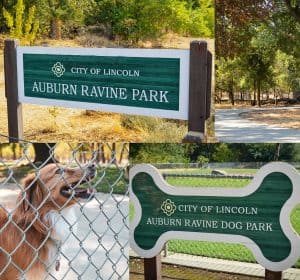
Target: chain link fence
<point x="221" y="176"/>
<point x="64" y="211"/>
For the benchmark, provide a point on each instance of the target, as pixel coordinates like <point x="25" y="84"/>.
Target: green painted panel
<point x="128" y="81"/>
<point x="255" y="216"/>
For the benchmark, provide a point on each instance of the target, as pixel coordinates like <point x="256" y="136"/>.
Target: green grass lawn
<point x="230" y="171"/>
<point x="218" y="249"/>
<point x="207" y="182"/>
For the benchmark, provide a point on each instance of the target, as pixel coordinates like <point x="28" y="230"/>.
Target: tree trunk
<point x="254" y="93"/>
<point x="122" y="153"/>
<point x="102" y="153"/>
<point x="43" y="153"/>
<point x="232" y="91"/>
<point x="231" y="97"/>
<point x="258" y="93"/>
<point x="56" y="25"/>
<point x="277" y="152"/>
<point x="14" y="148"/>
<point x="114" y="153"/>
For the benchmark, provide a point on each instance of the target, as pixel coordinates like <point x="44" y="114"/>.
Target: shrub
<point x="21" y="26"/>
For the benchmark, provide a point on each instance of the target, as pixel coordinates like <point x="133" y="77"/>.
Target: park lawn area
<point x="230" y="171"/>
<point x="207" y="182"/>
<point x="219" y="250"/>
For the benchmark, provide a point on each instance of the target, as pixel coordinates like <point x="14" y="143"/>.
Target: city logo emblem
<point x="58" y="69"/>
<point x="168" y="207"/>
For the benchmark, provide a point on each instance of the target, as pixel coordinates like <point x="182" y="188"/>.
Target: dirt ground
<point x="172" y="272"/>
<point x="286" y="118"/>
<point x="48" y="124"/>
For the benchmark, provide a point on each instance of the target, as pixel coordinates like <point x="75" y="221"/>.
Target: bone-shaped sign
<point x="257" y="216"/>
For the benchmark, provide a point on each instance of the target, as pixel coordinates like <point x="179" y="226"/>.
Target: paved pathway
<point x="232" y="128"/>
<point x="110" y="255"/>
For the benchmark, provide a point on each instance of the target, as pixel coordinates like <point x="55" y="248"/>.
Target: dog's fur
<point x="37" y="221"/>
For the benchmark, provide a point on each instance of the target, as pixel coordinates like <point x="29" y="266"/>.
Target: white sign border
<point x="183" y="55"/>
<point x="281" y="167"/>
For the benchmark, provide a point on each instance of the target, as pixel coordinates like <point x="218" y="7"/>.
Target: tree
<point x="43" y="153"/>
<point x="224" y="153"/>
<point x="56" y="15"/>
<point x="135" y="20"/>
<point x="22" y="24"/>
<point x="264" y="152"/>
<point x="7" y="5"/>
<point x="254" y="33"/>
<point x="229" y="74"/>
<point x="158" y="153"/>
<point x="234" y="19"/>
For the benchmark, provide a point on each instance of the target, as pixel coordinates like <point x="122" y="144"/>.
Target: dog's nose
<point x="92" y="168"/>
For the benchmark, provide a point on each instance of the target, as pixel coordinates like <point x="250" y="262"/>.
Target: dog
<point x="31" y="236"/>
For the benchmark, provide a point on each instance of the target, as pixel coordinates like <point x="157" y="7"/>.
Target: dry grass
<point x="76" y="125"/>
<point x="286" y="118"/>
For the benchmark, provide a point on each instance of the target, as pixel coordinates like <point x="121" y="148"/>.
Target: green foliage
<point x="131" y="20"/>
<point x="202" y="20"/>
<point x="202" y="160"/>
<point x="157" y="153"/>
<point x="264" y="152"/>
<point x="71" y="14"/>
<point x="230" y="76"/>
<point x="223" y="153"/>
<point x="111" y="182"/>
<point x="22" y="25"/>
<point x="135" y="20"/>
<point x="254" y="34"/>
<point x="296" y="155"/>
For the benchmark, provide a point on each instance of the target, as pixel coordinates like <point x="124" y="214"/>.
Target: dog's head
<point x="57" y="186"/>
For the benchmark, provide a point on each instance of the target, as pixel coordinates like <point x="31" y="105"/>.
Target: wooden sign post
<point x="257" y="216"/>
<point x="164" y="83"/>
<point x="14" y="107"/>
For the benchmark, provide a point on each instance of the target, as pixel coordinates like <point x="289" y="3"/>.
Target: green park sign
<point x="166" y="83"/>
<point x="257" y="216"/>
<point x="133" y="81"/>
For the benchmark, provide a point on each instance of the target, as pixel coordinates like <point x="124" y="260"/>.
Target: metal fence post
<point x="152" y="268"/>
<point x="14" y="108"/>
<point x="197" y="92"/>
<point x="273" y="275"/>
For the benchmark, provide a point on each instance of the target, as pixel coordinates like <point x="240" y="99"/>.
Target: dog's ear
<point x="34" y="198"/>
<point x="34" y="193"/>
